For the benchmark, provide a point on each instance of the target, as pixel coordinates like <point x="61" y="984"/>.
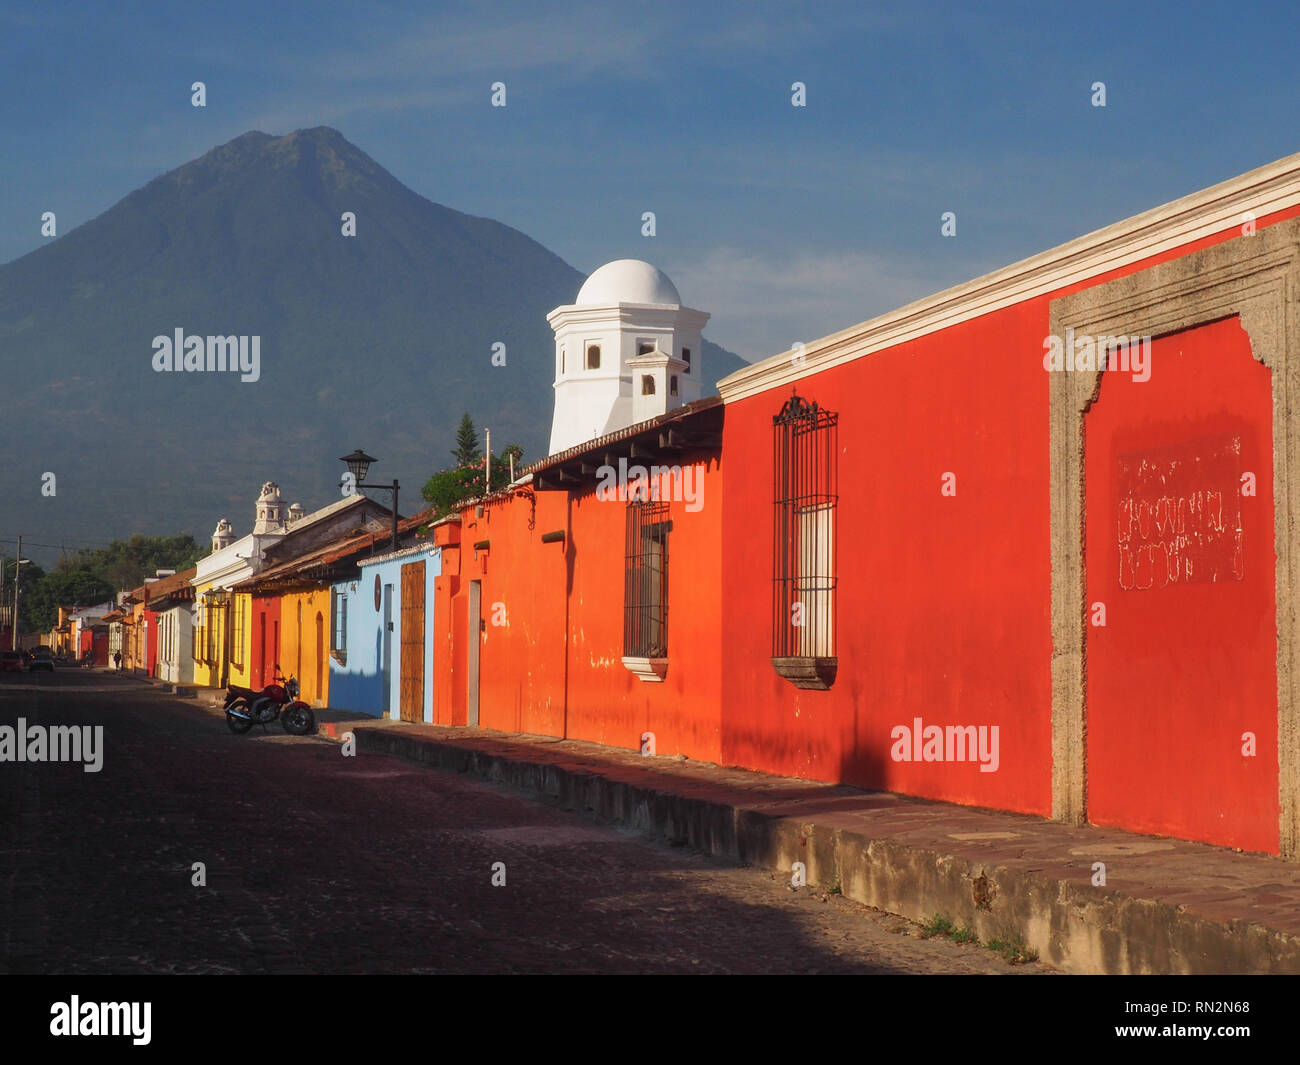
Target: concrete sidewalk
<point x="1167" y="906"/>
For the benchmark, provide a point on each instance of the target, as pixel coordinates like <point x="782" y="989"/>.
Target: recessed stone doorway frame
<point x="1256" y="278"/>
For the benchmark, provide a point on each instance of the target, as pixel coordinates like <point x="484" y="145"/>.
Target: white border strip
<point x="403" y="552"/>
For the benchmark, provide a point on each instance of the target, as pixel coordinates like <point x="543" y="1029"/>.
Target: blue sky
<point x="785" y="223"/>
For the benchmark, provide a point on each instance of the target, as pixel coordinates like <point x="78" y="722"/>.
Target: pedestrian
<point x="117" y="661"/>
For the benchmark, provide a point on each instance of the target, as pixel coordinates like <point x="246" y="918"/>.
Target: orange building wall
<point x="555" y="666"/>
<point x="943" y="609"/>
<point x="300" y="655"/>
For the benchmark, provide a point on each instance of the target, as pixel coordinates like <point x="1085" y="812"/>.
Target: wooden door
<point x="412" y="664"/>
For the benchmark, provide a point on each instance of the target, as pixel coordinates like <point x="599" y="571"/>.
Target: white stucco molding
<point x="1215" y="210"/>
<point x="404" y="552"/>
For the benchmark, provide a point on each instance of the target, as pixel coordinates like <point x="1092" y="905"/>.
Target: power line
<point x="73" y="543"/>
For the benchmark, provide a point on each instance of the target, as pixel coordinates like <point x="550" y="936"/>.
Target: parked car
<point x="12" y="661"/>
<point x="40" y="658"/>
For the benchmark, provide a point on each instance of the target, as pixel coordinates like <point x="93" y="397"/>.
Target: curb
<point x="1071" y="924"/>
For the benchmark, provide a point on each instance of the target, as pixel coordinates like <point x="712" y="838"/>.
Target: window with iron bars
<point x="339" y="622"/>
<point x="804" y="567"/>
<point x="645" y="598"/>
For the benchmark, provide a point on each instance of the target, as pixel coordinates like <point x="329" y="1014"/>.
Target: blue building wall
<point x="359" y="684"/>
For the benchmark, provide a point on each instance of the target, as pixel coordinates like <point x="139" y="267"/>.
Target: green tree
<point x="125" y="564"/>
<point x="467" y="451"/>
<point x="30" y="577"/>
<point x="447" y="489"/>
<point x="39" y="608"/>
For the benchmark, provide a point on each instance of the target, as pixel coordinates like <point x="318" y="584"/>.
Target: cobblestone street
<point x="320" y="863"/>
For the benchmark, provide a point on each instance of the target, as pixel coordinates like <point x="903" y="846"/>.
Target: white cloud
<point x="579" y="42"/>
<point x="762" y="304"/>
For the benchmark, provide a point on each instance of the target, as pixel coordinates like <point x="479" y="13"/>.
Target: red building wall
<point x="944" y="609"/>
<point x="264" y="638"/>
<point x="447" y="639"/>
<point x="151" y="642"/>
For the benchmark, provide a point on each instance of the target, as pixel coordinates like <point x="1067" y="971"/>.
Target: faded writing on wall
<point x="1180" y="515"/>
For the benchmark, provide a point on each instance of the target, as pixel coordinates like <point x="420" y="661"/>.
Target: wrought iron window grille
<point x="645" y="618"/>
<point x="804" y="476"/>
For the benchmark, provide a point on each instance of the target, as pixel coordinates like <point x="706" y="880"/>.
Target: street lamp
<point x="358" y="464"/>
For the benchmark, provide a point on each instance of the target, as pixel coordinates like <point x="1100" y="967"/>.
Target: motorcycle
<point x="246" y="707"/>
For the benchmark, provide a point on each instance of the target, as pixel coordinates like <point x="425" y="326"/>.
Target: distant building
<point x="238" y="641"/>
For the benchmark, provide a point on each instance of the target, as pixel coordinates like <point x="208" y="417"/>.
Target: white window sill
<point x="647" y="669"/>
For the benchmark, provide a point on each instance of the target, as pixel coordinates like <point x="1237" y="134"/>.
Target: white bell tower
<point x="270" y="510"/>
<point x="222" y="536"/>
<point x="625" y="351"/>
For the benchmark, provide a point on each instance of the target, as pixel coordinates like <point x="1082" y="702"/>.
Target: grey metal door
<point x="388" y="648"/>
<point x="475" y="636"/>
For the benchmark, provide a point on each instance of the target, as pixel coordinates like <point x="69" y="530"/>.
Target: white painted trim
<point x="647" y="669"/>
<point x="1263" y="191"/>
<point x="403" y="552"/>
<point x="649" y="315"/>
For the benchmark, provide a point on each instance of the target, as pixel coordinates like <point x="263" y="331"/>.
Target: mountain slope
<point x="378" y="340"/>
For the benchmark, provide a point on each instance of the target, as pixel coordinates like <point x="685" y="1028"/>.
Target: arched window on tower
<point x="647" y="384"/>
<point x="593" y="356"/>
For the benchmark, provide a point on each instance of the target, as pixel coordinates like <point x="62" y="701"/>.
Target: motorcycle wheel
<point x="239" y="725"/>
<point x="298" y="720"/>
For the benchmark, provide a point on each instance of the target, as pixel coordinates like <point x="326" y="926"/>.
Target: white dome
<point x="628" y="281"/>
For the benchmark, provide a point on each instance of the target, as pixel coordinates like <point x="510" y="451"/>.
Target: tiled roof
<point x="177" y="585"/>
<point x="601" y="442"/>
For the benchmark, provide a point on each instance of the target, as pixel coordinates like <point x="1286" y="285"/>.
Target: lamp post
<point x="19" y="561"/>
<point x="358" y="464"/>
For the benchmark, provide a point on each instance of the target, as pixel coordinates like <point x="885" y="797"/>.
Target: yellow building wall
<point x="208" y="640"/>
<point x="304" y="643"/>
<point x="135" y="655"/>
<point x="241" y="640"/>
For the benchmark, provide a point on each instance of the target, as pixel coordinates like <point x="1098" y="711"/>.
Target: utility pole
<point x="487" y="465"/>
<point x="18" y="568"/>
